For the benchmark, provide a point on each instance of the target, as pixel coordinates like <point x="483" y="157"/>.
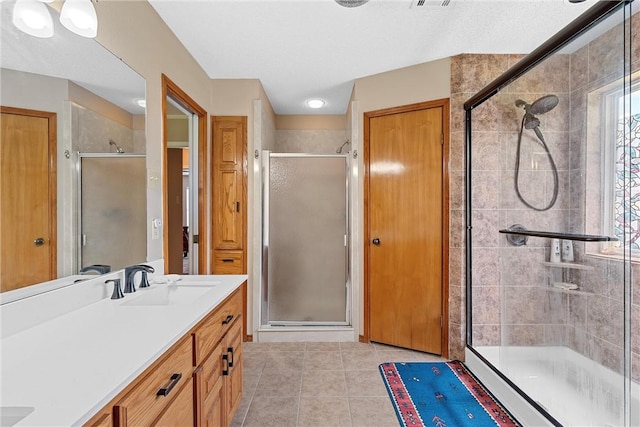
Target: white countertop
<point x="69" y="367"/>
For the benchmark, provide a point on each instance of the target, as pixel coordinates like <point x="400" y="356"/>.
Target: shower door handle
<point x="376" y="241"/>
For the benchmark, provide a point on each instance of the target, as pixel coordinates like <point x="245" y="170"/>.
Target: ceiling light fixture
<point x="80" y="17"/>
<point x="315" y="103"/>
<point x="33" y="18"/>
<point x="351" y="3"/>
<point x="142" y="103"/>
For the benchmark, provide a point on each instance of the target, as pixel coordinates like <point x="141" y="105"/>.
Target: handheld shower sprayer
<point x="530" y="121"/>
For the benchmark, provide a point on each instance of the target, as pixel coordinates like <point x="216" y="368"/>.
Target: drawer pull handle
<point x="230" y="351"/>
<point x="227" y="259"/>
<point x="228" y="319"/>
<point x="165" y="391"/>
<point x="225" y="358"/>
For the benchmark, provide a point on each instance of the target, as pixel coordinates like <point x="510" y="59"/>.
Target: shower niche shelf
<point x="569" y="291"/>
<point x="565" y="236"/>
<point x="571" y="265"/>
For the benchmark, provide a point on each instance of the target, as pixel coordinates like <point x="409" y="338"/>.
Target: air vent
<point x="417" y="4"/>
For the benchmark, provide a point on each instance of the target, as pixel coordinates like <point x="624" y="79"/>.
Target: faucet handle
<point x="117" y="290"/>
<point x="144" y="280"/>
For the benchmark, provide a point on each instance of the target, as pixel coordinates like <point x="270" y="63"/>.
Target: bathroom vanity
<point x="170" y="354"/>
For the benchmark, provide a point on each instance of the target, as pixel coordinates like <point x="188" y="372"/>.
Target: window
<point x="621" y="174"/>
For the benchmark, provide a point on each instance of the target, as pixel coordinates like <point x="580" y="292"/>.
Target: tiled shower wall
<point x="320" y="141"/>
<point x="92" y="131"/>
<point x="512" y="304"/>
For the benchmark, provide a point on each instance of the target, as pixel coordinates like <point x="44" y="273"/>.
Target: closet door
<point x="229" y="194"/>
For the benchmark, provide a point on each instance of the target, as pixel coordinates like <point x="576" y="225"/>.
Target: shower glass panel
<point x="305" y="234"/>
<point x="113" y="210"/>
<point x="553" y="214"/>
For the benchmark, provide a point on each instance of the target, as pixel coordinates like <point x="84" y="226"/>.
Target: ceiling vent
<point x="418" y="4"/>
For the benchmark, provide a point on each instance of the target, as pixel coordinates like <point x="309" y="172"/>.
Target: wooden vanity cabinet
<point x="198" y="381"/>
<point x="218" y="360"/>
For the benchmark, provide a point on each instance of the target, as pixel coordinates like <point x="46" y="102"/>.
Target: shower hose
<point x="553" y="168"/>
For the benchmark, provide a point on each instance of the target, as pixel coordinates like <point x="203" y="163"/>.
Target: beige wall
<point x="134" y="32"/>
<point x="87" y="99"/>
<point x="311" y="122"/>
<point x="418" y="83"/>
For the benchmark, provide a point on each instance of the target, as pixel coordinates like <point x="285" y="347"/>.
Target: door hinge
<point x="196" y="238"/>
<point x="441" y="322"/>
<point x="442" y="139"/>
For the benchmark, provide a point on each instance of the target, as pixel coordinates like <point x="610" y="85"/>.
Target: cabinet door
<point x="234" y="379"/>
<point x="180" y="411"/>
<point x="209" y="389"/>
<point x="229" y="165"/>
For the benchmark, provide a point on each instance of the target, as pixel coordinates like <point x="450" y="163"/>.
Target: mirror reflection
<point x="65" y="98"/>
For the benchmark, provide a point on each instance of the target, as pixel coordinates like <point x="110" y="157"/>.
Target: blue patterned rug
<point x="441" y="394"/>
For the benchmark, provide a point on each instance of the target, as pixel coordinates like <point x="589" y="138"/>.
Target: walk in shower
<point x="305" y="234"/>
<point x="553" y="226"/>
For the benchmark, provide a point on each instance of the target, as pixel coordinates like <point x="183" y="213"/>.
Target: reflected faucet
<point x="97" y="268"/>
<point x="129" y="274"/>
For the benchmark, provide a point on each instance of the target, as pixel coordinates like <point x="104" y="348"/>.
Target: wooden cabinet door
<point x="209" y="389"/>
<point x="234" y="379"/>
<point x="229" y="165"/>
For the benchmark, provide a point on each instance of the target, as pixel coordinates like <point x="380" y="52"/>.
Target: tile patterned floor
<point x="318" y="384"/>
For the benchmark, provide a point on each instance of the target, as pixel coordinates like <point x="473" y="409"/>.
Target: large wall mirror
<point x="87" y="108"/>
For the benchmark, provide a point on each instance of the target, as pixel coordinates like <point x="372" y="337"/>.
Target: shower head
<point x="339" y="150"/>
<point x="119" y="150"/>
<point x="543" y="105"/>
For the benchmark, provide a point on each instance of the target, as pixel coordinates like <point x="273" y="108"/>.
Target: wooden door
<point x="405" y="228"/>
<point x="27" y="198"/>
<point x="175" y="209"/>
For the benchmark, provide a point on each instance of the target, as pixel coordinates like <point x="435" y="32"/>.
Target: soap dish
<point x="167" y="278"/>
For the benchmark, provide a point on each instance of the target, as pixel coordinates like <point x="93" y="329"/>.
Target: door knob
<point x="39" y="241"/>
<point x="376" y="241"/>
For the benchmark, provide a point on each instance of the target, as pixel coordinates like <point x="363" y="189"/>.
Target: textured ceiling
<point x="315" y="48"/>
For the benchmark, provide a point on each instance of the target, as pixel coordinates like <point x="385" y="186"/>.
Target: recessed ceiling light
<point x="315" y="103"/>
<point x="142" y="103"/>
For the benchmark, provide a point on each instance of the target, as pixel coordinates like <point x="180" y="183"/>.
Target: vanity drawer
<point x="157" y="387"/>
<point x="209" y="332"/>
<point x="228" y="262"/>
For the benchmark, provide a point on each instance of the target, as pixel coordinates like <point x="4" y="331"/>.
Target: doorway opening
<point x="184" y="166"/>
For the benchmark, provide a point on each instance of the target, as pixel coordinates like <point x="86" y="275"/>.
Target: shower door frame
<point x="573" y="30"/>
<point x="264" y="282"/>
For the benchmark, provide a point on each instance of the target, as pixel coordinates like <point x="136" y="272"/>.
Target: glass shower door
<point x="305" y="234"/>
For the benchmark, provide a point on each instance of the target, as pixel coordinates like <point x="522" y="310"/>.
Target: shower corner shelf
<point x="556" y="235"/>
<point x="567" y="265"/>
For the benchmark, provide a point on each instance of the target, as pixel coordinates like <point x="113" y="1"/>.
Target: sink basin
<point x="11" y="415"/>
<point x="169" y="295"/>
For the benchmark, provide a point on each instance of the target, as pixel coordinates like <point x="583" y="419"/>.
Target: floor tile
<point x="324" y="412"/>
<point x="408" y="356"/>
<point x="279" y="383"/>
<point x="287" y="346"/>
<point x="323" y="346"/>
<point x="283" y="360"/>
<point x="372" y="412"/>
<point x="356" y="346"/>
<point x="254" y="361"/>
<point x="249" y="382"/>
<point x="272" y="412"/>
<point x="322" y="360"/>
<point x="249" y="347"/>
<point x="356" y="360"/>
<point x="365" y="383"/>
<point x="323" y="383"/>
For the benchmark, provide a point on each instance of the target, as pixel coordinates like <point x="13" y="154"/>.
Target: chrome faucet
<point x="129" y="274"/>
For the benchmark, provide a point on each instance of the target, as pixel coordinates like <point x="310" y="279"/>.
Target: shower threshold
<point x="305" y="333"/>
